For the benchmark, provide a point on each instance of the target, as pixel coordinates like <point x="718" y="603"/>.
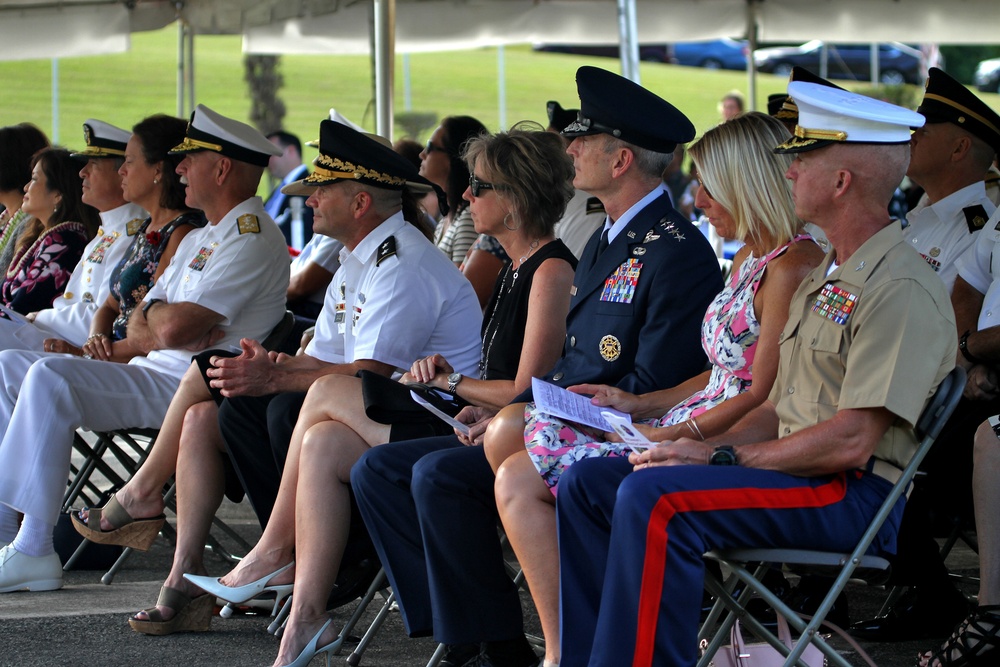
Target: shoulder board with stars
<point x="387" y="249"/>
<point x="975" y="217"/>
<point x="669" y="227"/>
<point x="248" y="224"/>
<point x="132" y="226"/>
<point x="594" y="205"/>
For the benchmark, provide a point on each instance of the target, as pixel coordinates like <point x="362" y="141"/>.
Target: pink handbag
<point x="740" y="654"/>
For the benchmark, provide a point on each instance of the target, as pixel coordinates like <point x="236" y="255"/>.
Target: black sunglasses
<point x="477" y="185"/>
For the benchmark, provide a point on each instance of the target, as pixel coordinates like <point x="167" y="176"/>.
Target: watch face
<point x="454" y="378"/>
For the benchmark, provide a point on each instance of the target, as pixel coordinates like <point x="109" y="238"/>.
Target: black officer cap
<point x="788" y="110"/>
<point x="559" y="117"/>
<point x="948" y="101"/>
<point x="346" y="154"/>
<point x="611" y="104"/>
<point x="774" y="103"/>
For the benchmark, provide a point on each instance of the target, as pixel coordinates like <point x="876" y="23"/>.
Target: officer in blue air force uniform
<point x="640" y="292"/>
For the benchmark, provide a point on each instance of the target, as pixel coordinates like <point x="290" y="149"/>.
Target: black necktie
<point x="602" y="245"/>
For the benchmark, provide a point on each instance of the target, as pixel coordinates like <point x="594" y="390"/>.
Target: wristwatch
<point x="963" y="347"/>
<point x="149" y="304"/>
<point x="453" y="381"/>
<point x="724" y="455"/>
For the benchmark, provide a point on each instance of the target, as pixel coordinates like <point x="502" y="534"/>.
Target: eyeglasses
<point x="431" y="147"/>
<point x="477" y="185"/>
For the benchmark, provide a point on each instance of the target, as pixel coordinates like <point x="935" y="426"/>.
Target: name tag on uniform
<point x="835" y="303"/>
<point x="620" y="285"/>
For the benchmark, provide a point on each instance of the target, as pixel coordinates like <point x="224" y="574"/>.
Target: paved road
<point x="85" y="623"/>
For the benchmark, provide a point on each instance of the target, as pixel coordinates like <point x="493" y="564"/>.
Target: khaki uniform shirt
<point x="876" y="332"/>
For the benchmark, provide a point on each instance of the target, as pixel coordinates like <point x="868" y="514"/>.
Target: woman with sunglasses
<point x="745" y="195"/>
<point x="518" y="187"/>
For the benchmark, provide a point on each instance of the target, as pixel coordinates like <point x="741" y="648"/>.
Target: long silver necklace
<point x="493" y="323"/>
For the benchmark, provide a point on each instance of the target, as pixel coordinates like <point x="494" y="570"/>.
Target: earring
<point x="513" y="229"/>
<point x="155" y="181"/>
<point x="55" y="209"/>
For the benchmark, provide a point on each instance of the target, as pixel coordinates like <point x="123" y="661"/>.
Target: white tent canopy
<point x="60" y="28"/>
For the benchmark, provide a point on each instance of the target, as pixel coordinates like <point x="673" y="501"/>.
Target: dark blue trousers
<point x="430" y="510"/>
<point x="631" y="545"/>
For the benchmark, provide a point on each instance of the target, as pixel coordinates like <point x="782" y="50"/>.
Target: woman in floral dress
<point x="745" y="196"/>
<point x="52" y="242"/>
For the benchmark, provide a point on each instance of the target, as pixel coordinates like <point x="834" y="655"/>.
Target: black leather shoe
<point x="457" y="655"/>
<point x="918" y="614"/>
<point x="810" y="592"/>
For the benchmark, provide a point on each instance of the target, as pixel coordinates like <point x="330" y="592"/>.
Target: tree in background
<point x="266" y="109"/>
<point x="961" y="61"/>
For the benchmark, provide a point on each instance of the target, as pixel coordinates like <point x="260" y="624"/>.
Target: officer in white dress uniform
<point x="950" y="156"/>
<point x="70" y="315"/>
<point x="394" y="299"/>
<point x="226" y="281"/>
<point x="312" y="271"/>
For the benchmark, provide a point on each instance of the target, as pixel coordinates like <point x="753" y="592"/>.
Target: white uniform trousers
<point x="44" y="398"/>
<point x="22" y="335"/>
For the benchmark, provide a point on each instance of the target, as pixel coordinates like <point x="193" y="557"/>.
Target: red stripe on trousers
<point x="700" y="501"/>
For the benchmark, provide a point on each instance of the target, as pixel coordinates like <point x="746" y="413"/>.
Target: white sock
<point x="8" y="524"/>
<point x="35" y="537"/>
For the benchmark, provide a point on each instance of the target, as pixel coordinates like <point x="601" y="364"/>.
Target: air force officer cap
<point x="611" y="104"/>
<point x="211" y="131"/>
<point x="830" y="115"/>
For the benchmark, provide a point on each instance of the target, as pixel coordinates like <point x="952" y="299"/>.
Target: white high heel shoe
<point x="310" y="651"/>
<point x="240" y="594"/>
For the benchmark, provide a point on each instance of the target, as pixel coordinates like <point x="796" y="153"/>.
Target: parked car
<point x="715" y="54"/>
<point x="988" y="76"/>
<point x="658" y="53"/>
<point x="898" y="63"/>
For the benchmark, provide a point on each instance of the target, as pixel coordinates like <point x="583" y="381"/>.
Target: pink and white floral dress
<point x="729" y="337"/>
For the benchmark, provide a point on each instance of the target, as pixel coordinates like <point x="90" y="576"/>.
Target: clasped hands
<point x="248" y="374"/>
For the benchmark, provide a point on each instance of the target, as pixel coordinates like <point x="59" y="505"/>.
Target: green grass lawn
<point x="124" y="88"/>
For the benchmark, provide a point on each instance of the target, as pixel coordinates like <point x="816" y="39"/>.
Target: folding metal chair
<point x="742" y="561"/>
<point x="129" y="449"/>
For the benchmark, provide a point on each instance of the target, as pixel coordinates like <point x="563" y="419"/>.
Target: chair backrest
<point x="942" y="404"/>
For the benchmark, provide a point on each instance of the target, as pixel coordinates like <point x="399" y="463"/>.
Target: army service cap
<point x="346" y="154"/>
<point x="948" y="101"/>
<point x="611" y="104"/>
<point x="211" y="131"/>
<point x="832" y="115"/>
<point x="103" y="140"/>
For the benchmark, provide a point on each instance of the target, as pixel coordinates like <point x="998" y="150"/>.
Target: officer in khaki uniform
<point x="87" y="289"/>
<point x="870" y="334"/>
<point x="950" y="155"/>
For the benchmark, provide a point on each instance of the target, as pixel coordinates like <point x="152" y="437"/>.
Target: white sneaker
<point x="19" y="572"/>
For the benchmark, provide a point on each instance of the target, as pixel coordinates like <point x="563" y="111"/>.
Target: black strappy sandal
<point x="974" y="643"/>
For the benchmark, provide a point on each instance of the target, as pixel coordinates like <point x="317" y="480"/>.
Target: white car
<point x="988" y="76"/>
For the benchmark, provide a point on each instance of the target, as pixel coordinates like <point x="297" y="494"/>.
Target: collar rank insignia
<point x="631" y="235"/>
<point x="132" y="226"/>
<point x="387" y="249"/>
<point x="835" y="303"/>
<point x="595" y="206"/>
<point x="248" y="224"/>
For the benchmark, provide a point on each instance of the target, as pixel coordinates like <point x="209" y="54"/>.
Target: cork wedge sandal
<point x="137" y="534"/>
<point x="191" y="614"/>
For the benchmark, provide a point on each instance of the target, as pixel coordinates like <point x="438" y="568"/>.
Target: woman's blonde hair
<point x="737" y="165"/>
